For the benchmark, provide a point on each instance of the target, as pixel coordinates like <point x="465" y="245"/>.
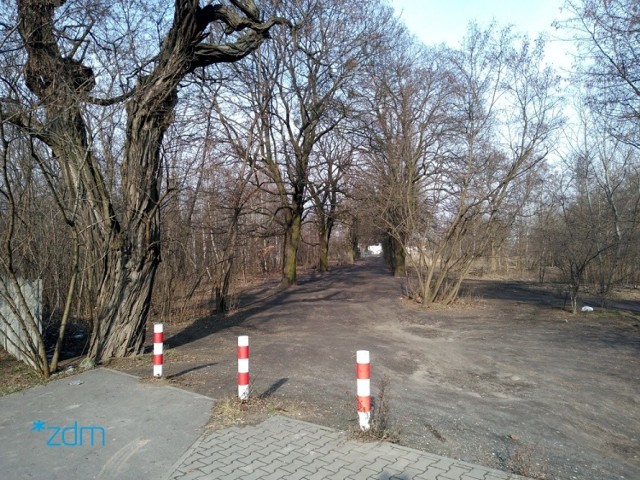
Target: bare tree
<point x="20" y="329"/>
<point x="594" y="234"/>
<point x="301" y="90"/>
<point x="505" y="112"/>
<point x="327" y="186"/>
<point x="233" y="202"/>
<point x="460" y="141"/>
<point x="607" y="35"/>
<point x="34" y="205"/>
<point x="402" y="118"/>
<point x="58" y="75"/>
<point x="575" y="237"/>
<point x="598" y="221"/>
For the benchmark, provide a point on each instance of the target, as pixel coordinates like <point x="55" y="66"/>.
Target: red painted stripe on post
<point x="363" y="371"/>
<point x="243" y="378"/>
<point x="364" y="404"/>
<point x="243" y="352"/>
<point x="158" y="337"/>
<point x="158" y="359"/>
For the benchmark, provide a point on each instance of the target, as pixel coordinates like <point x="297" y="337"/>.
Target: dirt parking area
<point x="508" y="380"/>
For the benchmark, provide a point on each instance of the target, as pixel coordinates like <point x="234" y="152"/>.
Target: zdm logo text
<point x="72" y="436"/>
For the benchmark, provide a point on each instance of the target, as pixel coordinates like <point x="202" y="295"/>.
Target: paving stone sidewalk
<point x="283" y="448"/>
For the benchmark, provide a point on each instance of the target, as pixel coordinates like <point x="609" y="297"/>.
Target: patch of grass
<point x="155" y="381"/>
<point x="145" y="360"/>
<point x="616" y="314"/>
<point x="130" y="362"/>
<point x="231" y="411"/>
<point x="468" y="297"/>
<point x="382" y="428"/>
<point x="15" y="375"/>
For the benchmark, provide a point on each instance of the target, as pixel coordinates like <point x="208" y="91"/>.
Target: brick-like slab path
<point x="283" y="448"/>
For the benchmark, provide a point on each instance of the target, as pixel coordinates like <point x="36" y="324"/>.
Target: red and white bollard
<point x="158" y="340"/>
<point x="243" y="367"/>
<point x="363" y="376"/>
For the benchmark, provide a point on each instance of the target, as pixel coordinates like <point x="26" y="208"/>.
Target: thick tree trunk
<point x="291" y="246"/>
<point x="324" y="235"/>
<point x="223" y="303"/>
<point x="397" y="256"/>
<point x="399" y="267"/>
<point x="131" y="250"/>
<point x="323" y="260"/>
<point x="427" y="279"/>
<point x="353" y="253"/>
<point x="494" y="258"/>
<point x="130" y="265"/>
<point x="123" y="303"/>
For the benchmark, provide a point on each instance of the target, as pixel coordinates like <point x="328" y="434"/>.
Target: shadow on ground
<point x="311" y="288"/>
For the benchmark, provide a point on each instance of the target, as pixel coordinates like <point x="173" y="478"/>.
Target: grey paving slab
<point x="104" y="424"/>
<point x="283" y="448"/>
<point x="145" y="427"/>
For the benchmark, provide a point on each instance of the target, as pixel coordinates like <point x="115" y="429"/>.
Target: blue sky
<point x="435" y="21"/>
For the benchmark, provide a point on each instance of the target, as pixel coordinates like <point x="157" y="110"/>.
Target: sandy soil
<point x="509" y="380"/>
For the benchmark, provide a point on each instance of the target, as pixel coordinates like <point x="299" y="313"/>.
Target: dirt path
<point x="509" y="379"/>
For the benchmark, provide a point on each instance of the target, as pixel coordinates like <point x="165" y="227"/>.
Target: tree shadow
<point x="311" y="288"/>
<point x="550" y="295"/>
<point x="212" y="324"/>
<point x="520" y="292"/>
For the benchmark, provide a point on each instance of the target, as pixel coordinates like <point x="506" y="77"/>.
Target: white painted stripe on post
<point x="243" y="341"/>
<point x="364" y="418"/>
<point x="243" y="392"/>
<point x="243" y="365"/>
<point x="363" y="388"/>
<point x="362" y="356"/>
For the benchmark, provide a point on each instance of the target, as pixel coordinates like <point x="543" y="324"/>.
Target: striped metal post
<point x="363" y="376"/>
<point x="158" y="340"/>
<point x="243" y="367"/>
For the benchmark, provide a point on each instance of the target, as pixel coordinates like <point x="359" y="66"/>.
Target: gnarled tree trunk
<point x="293" y="234"/>
<point x="130" y="247"/>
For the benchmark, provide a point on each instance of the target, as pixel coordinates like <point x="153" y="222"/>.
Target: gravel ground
<point x="508" y="380"/>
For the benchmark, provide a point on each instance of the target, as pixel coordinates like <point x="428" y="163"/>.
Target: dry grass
<point x="468" y="297"/>
<point x="155" y="381"/>
<point x="15" y="375"/>
<point x="231" y="411"/>
<point x="146" y="360"/>
<point x="626" y="293"/>
<point x="382" y="429"/>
